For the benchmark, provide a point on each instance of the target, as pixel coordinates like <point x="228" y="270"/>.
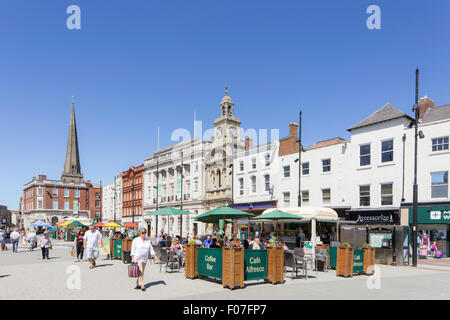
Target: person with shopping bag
<point x="141" y="248"/>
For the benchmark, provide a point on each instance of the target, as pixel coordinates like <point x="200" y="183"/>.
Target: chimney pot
<point x="293" y="129"/>
<point x="424" y="104"/>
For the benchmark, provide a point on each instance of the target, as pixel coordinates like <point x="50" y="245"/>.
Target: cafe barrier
<point x="235" y="265"/>
<point x="349" y="261"/>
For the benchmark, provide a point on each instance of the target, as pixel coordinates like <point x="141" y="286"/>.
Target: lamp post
<point x="157" y="191"/>
<point x="299" y="160"/>
<point x="231" y="166"/>
<point x="416" y="120"/>
<point x="181" y="200"/>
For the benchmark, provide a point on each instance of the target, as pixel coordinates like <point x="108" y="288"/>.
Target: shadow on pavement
<point x="103" y="265"/>
<point x="155" y="283"/>
<point x="5" y="275"/>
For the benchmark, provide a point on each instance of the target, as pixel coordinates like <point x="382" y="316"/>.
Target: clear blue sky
<point x="137" y="64"/>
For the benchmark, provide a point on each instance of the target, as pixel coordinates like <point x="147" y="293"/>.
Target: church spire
<point x="72" y="168"/>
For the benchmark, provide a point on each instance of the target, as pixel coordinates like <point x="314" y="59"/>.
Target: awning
<point x="309" y="213"/>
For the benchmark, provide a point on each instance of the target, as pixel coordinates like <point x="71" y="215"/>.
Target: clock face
<point x="219" y="132"/>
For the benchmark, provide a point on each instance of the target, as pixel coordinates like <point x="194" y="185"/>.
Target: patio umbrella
<point x="64" y="224"/>
<point x="75" y="224"/>
<point x="222" y="213"/>
<point x="39" y="223"/>
<point x="168" y="211"/>
<point x="276" y="216"/>
<point x="99" y="224"/>
<point x="130" y="225"/>
<point x="112" y="225"/>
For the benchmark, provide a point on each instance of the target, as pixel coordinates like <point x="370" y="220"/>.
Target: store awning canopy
<point x="39" y="223"/>
<point x="309" y="213"/>
<point x="130" y="225"/>
<point x="222" y="213"/>
<point x="99" y="224"/>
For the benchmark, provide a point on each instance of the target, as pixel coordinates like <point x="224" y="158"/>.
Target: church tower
<point x="72" y="168"/>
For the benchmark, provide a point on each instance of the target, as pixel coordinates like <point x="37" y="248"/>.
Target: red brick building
<point x="132" y="195"/>
<point x="53" y="201"/>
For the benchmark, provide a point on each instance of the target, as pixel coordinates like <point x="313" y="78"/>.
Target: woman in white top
<point x="141" y="248"/>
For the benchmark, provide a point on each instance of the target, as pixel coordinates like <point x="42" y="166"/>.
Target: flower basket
<point x="344" y="262"/>
<point x="233" y="267"/>
<point x="275" y="265"/>
<point x="190" y="269"/>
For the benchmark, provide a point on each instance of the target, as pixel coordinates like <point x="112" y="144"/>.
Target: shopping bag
<point x="133" y="270"/>
<point x="74" y="252"/>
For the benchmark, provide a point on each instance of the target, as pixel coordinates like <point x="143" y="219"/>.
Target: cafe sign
<point x="255" y="264"/>
<point x="209" y="262"/>
<point x="358" y="261"/>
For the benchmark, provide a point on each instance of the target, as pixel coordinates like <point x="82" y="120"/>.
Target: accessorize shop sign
<point x="381" y="218"/>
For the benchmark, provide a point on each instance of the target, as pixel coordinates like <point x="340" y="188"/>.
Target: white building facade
<point x="112" y="201"/>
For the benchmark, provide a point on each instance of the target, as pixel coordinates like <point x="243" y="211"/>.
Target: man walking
<point x="92" y="241"/>
<point x="15" y="236"/>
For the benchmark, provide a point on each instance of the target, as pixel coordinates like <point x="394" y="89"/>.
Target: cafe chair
<point x="292" y="262"/>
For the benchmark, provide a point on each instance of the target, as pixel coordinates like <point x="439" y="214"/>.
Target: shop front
<point x="248" y="229"/>
<point x="433" y="230"/>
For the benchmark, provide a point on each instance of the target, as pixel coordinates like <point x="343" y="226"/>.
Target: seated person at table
<point x="284" y="246"/>
<point x="214" y="244"/>
<point x="199" y="240"/>
<point x="256" y="244"/>
<point x="246" y="244"/>
<point x="176" y="245"/>
<point x="208" y="242"/>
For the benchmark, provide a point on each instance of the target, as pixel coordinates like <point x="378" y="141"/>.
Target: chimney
<point x="42" y="177"/>
<point x="293" y="129"/>
<point x="248" y="143"/>
<point x="424" y="104"/>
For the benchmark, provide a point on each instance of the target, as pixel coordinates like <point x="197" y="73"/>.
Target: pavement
<point x="24" y="275"/>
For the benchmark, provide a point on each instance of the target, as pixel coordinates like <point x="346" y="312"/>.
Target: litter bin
<point x="117" y="252"/>
<point x="126" y="257"/>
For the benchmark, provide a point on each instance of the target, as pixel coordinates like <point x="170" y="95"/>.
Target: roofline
<point x="368" y="125"/>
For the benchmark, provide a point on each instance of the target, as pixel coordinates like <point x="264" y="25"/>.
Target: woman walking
<point x="79" y="240"/>
<point x="141" y="247"/>
<point x="45" y="243"/>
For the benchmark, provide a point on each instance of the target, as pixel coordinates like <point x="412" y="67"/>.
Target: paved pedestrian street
<point x="24" y="275"/>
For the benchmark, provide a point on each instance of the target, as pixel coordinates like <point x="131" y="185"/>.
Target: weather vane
<point x="226" y="88"/>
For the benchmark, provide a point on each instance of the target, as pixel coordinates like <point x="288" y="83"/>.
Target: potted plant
<point x="344" y="260"/>
<point x="275" y="262"/>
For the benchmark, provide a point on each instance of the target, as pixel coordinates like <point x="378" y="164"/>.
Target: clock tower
<point x="226" y="143"/>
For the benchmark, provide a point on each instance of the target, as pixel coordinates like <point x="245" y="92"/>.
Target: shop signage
<point x="255" y="264"/>
<point x="431" y="215"/>
<point x="358" y="260"/>
<point x="381" y="218"/>
<point x="209" y="262"/>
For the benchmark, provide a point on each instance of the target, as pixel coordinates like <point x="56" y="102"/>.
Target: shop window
<point x="364" y="155"/>
<point x="387" y="151"/>
<point x="364" y="196"/>
<point x="386" y="194"/>
<point x="439" y="184"/>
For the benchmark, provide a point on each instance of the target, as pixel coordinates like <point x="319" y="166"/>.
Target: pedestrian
<point x="141" y="248"/>
<point x="15" y="235"/>
<point x="79" y="244"/>
<point x="199" y="240"/>
<point x="92" y="241"/>
<point x="2" y="240"/>
<point x="32" y="240"/>
<point x="256" y="244"/>
<point x="45" y="243"/>
<point x="214" y="244"/>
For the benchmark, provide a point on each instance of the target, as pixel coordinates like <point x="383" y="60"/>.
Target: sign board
<point x="381" y="218"/>
<point x="308" y="245"/>
<point x="255" y="264"/>
<point x="209" y="262"/>
<point x="431" y="215"/>
<point x="179" y="186"/>
<point x="358" y="260"/>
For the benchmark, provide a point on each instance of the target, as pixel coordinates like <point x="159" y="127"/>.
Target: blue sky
<point x="139" y="64"/>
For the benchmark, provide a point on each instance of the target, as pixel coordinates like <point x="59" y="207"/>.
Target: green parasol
<point x="277" y="215"/>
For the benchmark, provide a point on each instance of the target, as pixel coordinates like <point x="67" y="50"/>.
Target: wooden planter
<point x="275" y="265"/>
<point x="369" y="260"/>
<point x="344" y="262"/>
<point x="190" y="269"/>
<point x="233" y="267"/>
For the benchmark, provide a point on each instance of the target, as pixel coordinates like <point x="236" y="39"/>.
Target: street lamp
<point x="415" y="187"/>
<point x="299" y="160"/>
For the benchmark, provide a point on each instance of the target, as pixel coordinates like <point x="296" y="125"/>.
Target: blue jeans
<point x="15" y="243"/>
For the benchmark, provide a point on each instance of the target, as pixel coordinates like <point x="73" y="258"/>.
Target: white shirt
<point x="31" y="236"/>
<point x="14" y="235"/>
<point x="141" y="249"/>
<point x="92" y="239"/>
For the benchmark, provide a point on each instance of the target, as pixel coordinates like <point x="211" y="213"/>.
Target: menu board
<point x="376" y="239"/>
